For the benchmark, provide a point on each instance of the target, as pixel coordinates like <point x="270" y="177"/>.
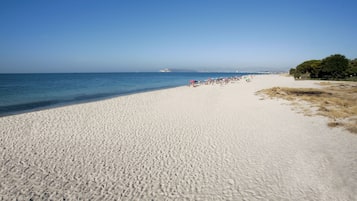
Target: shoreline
<point x="64" y="103"/>
<point x="52" y="100"/>
<point x="195" y="143"/>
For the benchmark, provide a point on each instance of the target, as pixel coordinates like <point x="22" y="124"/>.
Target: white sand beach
<point x="202" y="143"/>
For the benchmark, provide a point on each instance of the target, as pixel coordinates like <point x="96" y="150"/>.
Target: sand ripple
<point x="204" y="143"/>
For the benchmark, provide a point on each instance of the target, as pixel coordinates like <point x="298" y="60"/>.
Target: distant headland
<point x="168" y="70"/>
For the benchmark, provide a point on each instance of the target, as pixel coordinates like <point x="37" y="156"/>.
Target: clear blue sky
<point x="133" y="35"/>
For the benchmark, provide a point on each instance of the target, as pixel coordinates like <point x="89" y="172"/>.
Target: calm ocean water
<point x="25" y="92"/>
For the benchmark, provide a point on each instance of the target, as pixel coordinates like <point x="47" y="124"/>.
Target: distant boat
<point x="165" y="70"/>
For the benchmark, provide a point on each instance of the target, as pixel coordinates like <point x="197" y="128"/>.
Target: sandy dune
<point x="202" y="143"/>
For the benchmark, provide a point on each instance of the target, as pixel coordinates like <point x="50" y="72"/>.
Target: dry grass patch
<point x="335" y="100"/>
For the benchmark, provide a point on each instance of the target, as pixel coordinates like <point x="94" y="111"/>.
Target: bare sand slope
<point x="203" y="143"/>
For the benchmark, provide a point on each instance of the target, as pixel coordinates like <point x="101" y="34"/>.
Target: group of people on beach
<point x="219" y="81"/>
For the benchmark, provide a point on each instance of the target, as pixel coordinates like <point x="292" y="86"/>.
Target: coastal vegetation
<point x="334" y="100"/>
<point x="334" y="67"/>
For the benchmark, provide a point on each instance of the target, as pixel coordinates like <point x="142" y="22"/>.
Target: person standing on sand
<point x="192" y="83"/>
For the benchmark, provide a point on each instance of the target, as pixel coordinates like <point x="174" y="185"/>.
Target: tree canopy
<point x="333" y="67"/>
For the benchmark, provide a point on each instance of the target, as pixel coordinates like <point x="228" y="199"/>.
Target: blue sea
<point x="27" y="92"/>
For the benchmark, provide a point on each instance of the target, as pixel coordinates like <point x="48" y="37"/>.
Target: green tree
<point x="352" y="68"/>
<point x="308" y="69"/>
<point x="292" y="71"/>
<point x="315" y="68"/>
<point x="333" y="67"/>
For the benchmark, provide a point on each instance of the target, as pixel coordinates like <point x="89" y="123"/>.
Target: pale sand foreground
<point x="203" y="143"/>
